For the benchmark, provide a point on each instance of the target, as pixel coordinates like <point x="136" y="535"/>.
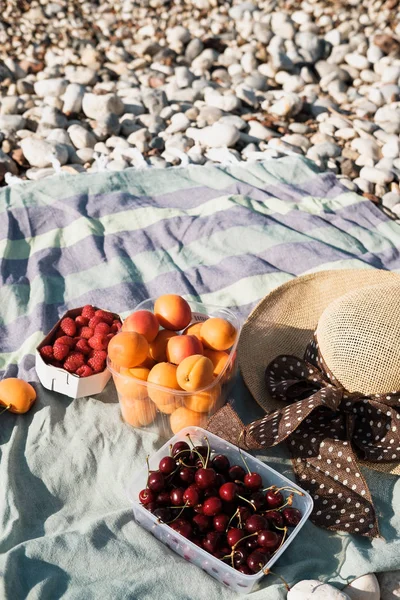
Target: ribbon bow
<point x="326" y="429"/>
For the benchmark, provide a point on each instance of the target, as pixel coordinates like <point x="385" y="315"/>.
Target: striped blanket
<point x="222" y="235"/>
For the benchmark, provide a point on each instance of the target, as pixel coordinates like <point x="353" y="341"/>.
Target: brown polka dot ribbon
<point x="326" y="429"/>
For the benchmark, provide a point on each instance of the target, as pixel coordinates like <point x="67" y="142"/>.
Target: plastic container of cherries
<point x="219" y="508"/>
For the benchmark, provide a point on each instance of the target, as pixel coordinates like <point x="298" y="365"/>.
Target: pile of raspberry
<point x="80" y="344"/>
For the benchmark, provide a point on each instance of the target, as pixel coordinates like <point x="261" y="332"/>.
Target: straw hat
<point x="356" y="317"/>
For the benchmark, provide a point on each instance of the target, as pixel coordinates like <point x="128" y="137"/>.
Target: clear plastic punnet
<point x="152" y="407"/>
<point x="224" y="573"/>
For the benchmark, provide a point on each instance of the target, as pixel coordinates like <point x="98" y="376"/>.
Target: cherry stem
<point x="6" y="408"/>
<point x="238" y="542"/>
<point x="285" y="530"/>
<point x="248" y="502"/>
<point x="288" y="502"/>
<point x="208" y="450"/>
<point x="148" y="470"/>
<point x="290" y="489"/>
<point x="196" y="451"/>
<point x="231" y="519"/>
<point x="185" y="465"/>
<point x="173" y="472"/>
<point x="170" y="450"/>
<point x="179" y="513"/>
<point x="240" y="452"/>
<point x="268" y="572"/>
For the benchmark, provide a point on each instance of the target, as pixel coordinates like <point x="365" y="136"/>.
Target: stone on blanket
<point x="312" y="589"/>
<point x="365" y="587"/>
<point x="390" y="585"/>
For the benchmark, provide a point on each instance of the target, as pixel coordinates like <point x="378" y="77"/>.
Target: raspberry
<point x="60" y="351"/>
<point x="88" y="311"/>
<point x="87" y="332"/>
<point x="68" y="326"/>
<point x="102" y="328"/>
<point x="46" y="353"/>
<point x="116" y="326"/>
<point x="81" y="321"/>
<point x="99" y="355"/>
<point x="105" y="316"/>
<point x="97" y="364"/>
<point x="57" y="363"/>
<point x="83" y="346"/>
<point x="95" y="321"/>
<point x="98" y="342"/>
<point x="84" y="371"/>
<point x="74" y="361"/>
<point x="66" y="340"/>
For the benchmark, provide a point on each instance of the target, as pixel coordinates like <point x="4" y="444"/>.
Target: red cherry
<point x="162" y="513"/>
<point x="245" y="570"/>
<point x="180" y="447"/>
<point x="146" y="496"/>
<point x="210" y="492"/>
<point x="202" y="522"/>
<point x="183" y="527"/>
<point x="256" y="561"/>
<point x="256" y="523"/>
<point x="202" y="450"/>
<point x="176" y="497"/>
<point x="253" y="481"/>
<point x="240" y="557"/>
<point x="251" y="544"/>
<point x="186" y="475"/>
<point x="258" y="500"/>
<point x="219" y="480"/>
<point x="220" y="463"/>
<point x="228" y="491"/>
<point x="268" y="539"/>
<point x="163" y="498"/>
<point x="211" y="541"/>
<point x="156" y="481"/>
<point x="192" y="495"/>
<point x="236" y="473"/>
<point x="151" y="506"/>
<point x="167" y="465"/>
<point x="292" y="516"/>
<point x="274" y="518"/>
<point x="274" y="499"/>
<point x="212" y="506"/>
<point x="205" y="478"/>
<point x="244" y="513"/>
<point x="234" y="535"/>
<point x="220" y="522"/>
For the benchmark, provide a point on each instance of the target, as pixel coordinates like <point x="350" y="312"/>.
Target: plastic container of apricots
<point x="166" y="409"/>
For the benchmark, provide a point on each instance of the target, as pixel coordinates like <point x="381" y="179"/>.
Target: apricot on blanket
<point x="144" y="322"/>
<point x="158" y="348"/>
<point x="217" y="334"/>
<point x="16" y="394"/>
<point x="182" y="346"/>
<point x="172" y="312"/>
<point x="195" y="372"/>
<point x="128" y="349"/>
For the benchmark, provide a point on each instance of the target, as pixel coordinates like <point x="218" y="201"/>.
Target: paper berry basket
<point x="59" y="380"/>
<point x="224" y="573"/>
<point x="156" y="408"/>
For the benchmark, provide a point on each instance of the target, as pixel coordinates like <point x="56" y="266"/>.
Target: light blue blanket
<point x="225" y="236"/>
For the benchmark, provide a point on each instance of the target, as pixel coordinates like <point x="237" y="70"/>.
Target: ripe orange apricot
<point x="148" y="363"/>
<point x="172" y="312"/>
<point x="137" y="412"/>
<point x="195" y="372"/>
<point x="163" y="374"/>
<point x="144" y="322"/>
<point x="16" y="394"/>
<point x="218" y="359"/>
<point x="203" y="402"/>
<point x="169" y="407"/>
<point x="126" y="383"/>
<point x="217" y="334"/>
<point x="128" y="349"/>
<point x="181" y="346"/>
<point x="158" y="348"/>
<point x="193" y="329"/>
<point x="184" y="417"/>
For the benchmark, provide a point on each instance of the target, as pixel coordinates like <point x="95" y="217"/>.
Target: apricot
<point x="203" y="402"/>
<point x="184" y="417"/>
<point x="144" y="322"/>
<point x="128" y="349"/>
<point x="195" y="372"/>
<point x="16" y="394"/>
<point x="137" y="412"/>
<point x="148" y="363"/>
<point x="193" y="329"/>
<point x="218" y="359"/>
<point x="182" y="346"/>
<point x="163" y="374"/>
<point x="127" y="385"/>
<point x="158" y="348"/>
<point x="172" y="312"/>
<point x="217" y="334"/>
<point x="170" y="406"/>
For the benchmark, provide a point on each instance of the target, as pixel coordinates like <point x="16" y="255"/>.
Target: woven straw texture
<point x="285" y="320"/>
<point x="359" y="338"/>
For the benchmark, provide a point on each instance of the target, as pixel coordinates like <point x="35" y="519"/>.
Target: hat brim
<point x="284" y="323"/>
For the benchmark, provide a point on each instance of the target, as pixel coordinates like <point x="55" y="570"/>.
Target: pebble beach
<point x="88" y="86"/>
